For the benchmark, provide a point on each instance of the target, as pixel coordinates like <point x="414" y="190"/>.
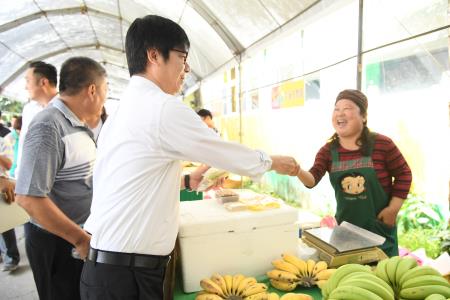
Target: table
<point x="180" y="295"/>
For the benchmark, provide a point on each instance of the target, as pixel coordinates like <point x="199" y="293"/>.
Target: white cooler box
<point x="213" y="239"/>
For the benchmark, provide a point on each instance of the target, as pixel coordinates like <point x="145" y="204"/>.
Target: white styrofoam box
<point x="215" y="240"/>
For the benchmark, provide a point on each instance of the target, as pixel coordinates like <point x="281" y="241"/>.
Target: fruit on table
<point x="291" y="271"/>
<point x="296" y="296"/>
<point x="353" y="281"/>
<point x="410" y="281"/>
<point x="435" y="297"/>
<point x="237" y="287"/>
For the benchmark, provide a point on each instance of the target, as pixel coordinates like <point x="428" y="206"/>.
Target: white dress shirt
<point x="138" y="168"/>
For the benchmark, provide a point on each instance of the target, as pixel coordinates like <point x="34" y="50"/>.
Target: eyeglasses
<point x="182" y="51"/>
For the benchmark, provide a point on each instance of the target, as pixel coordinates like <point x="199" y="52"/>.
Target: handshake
<point x="285" y="165"/>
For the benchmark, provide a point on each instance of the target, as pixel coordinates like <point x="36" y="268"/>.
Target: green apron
<point x="360" y="197"/>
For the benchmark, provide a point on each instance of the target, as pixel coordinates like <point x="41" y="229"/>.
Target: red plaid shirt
<point x="391" y="167"/>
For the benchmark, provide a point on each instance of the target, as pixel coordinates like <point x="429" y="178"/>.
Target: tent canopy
<point x="56" y="30"/>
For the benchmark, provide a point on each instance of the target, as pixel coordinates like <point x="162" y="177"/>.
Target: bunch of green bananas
<point x="356" y="282"/>
<point x="292" y="271"/>
<point x="436" y="297"/>
<point x="410" y="281"/>
<point x="237" y="287"/>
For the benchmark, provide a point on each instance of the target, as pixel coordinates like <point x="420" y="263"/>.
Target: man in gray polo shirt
<point x="55" y="182"/>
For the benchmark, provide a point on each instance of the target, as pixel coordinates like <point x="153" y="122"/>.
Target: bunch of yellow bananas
<point x="237" y="287"/>
<point x="292" y="271"/>
<point x="356" y="282"/>
<point x="289" y="296"/>
<point x="410" y="281"/>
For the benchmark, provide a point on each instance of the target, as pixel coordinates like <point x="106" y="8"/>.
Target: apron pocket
<point x="390" y="246"/>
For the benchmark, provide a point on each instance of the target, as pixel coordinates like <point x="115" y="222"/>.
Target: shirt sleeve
<point x="42" y="156"/>
<point x="184" y="136"/>
<point x="321" y="164"/>
<point x="8" y="147"/>
<point x="399" y="170"/>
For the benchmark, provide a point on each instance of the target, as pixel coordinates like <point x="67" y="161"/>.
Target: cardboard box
<point x="215" y="240"/>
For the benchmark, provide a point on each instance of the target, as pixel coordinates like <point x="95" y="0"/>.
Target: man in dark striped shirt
<point x="369" y="174"/>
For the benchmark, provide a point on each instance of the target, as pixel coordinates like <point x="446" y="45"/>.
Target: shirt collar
<point x="68" y="114"/>
<point x="142" y="81"/>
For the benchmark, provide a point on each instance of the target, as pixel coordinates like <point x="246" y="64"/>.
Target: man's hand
<point x="285" y="165"/>
<point x="7" y="189"/>
<point x="197" y="175"/>
<point x="82" y="246"/>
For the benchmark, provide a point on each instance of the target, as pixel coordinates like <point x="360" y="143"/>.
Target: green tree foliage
<point x="10" y="106"/>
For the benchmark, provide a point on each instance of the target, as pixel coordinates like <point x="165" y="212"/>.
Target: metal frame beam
<point x="19" y="71"/>
<point x="230" y="40"/>
<point x="57" y="12"/>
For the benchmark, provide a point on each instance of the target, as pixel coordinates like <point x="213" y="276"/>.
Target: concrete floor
<point x="19" y="284"/>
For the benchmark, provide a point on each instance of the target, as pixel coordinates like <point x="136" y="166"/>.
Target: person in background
<point x="207" y="117"/>
<point x="95" y="124"/>
<point x="369" y="174"/>
<point x="137" y="176"/>
<point x="41" y="80"/>
<point x="55" y="180"/>
<point x="8" y="242"/>
<point x="12" y="142"/>
<point x="3" y="129"/>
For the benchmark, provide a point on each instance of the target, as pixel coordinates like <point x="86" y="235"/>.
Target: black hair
<point x="364" y="141"/>
<point x="42" y="69"/>
<point x="78" y="73"/>
<point x="156" y="32"/>
<point x="204" y="113"/>
<point x="18" y="124"/>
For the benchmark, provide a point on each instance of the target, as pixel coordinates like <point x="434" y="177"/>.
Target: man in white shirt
<point x="41" y="80"/>
<point x="137" y="175"/>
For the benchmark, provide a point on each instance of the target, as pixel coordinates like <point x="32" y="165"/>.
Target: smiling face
<point x="173" y="71"/>
<point x="347" y="119"/>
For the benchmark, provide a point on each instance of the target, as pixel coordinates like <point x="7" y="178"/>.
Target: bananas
<point x="410" y="281"/>
<point x="319" y="267"/>
<point x="353" y="293"/>
<point x="237" y="287"/>
<point x="285" y="266"/>
<point x="422" y="292"/>
<point x="418" y="272"/>
<point x="283" y="285"/>
<point x="435" y="297"/>
<point x="208" y="297"/>
<point x="343" y="271"/>
<point x="425" y="280"/>
<point x="211" y="287"/>
<point x="355" y="281"/>
<point x="289" y="296"/>
<point x="404" y="265"/>
<point x="324" y="274"/>
<point x="292" y="271"/>
<point x="294" y="296"/>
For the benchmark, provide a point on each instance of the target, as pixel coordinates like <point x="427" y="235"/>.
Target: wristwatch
<point x="187" y="180"/>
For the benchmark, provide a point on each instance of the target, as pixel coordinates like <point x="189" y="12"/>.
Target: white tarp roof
<point x="56" y="30"/>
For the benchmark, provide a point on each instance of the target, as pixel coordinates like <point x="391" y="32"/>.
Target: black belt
<point x="128" y="259"/>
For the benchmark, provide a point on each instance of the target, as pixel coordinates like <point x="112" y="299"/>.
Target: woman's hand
<point x="388" y="215"/>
